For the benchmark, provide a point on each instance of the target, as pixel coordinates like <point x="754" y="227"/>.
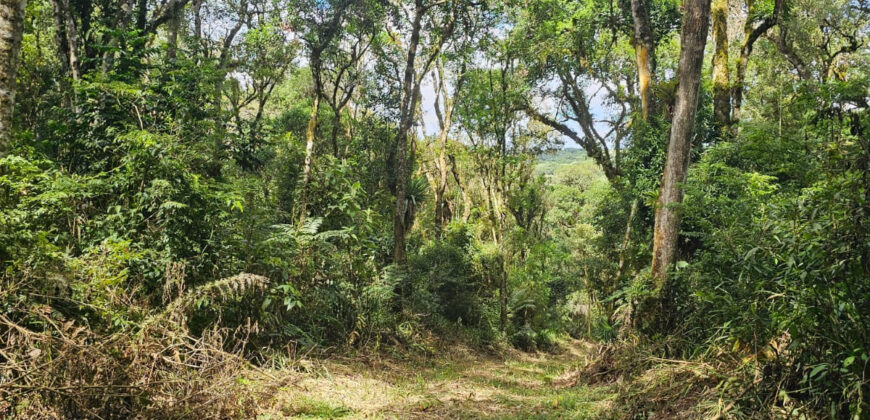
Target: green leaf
<point x="817" y="370"/>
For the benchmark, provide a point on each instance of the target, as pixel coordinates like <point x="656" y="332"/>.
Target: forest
<point x="269" y="209"/>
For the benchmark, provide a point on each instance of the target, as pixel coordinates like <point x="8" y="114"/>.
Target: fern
<point x="230" y="287"/>
<point x="221" y="290"/>
<point x="310" y="226"/>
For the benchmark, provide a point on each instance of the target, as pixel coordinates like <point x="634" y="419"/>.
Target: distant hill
<point x="547" y="163"/>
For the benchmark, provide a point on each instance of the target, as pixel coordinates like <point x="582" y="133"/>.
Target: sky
<point x="430" y="120"/>
<point x="427" y="91"/>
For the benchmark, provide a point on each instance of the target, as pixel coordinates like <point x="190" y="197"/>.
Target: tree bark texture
<point x="693" y="38"/>
<point x="11" y="28"/>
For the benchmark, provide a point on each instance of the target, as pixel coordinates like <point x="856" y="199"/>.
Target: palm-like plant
<point x="417" y="193"/>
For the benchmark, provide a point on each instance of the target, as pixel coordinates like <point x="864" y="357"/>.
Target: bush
<point x="445" y="282"/>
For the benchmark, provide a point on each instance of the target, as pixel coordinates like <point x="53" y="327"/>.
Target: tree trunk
<point x="197" y="25"/>
<point x="60" y="40"/>
<point x="172" y="37"/>
<point x="72" y="37"/>
<point x="123" y="17"/>
<point x="83" y="11"/>
<point x="503" y="296"/>
<point x="445" y="121"/>
<point x="329" y="30"/>
<point x="409" y="94"/>
<point x="625" y="241"/>
<point x="644" y="51"/>
<point x="336" y="125"/>
<point x="223" y="66"/>
<point x="441" y="212"/>
<point x="310" y="133"/>
<point x="693" y="37"/>
<point x="11" y="28"/>
<point x="466" y="200"/>
<point x="721" y="78"/>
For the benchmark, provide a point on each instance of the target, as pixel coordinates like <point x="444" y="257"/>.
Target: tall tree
<point x="320" y="23"/>
<point x="343" y="63"/>
<point x="580" y="82"/>
<point x="90" y="34"/>
<point x="693" y="37"/>
<point x="488" y="117"/>
<point x="442" y="17"/>
<point x="449" y="77"/>
<point x="443" y="98"/>
<point x="219" y="44"/>
<point x="503" y="150"/>
<point x="11" y="28"/>
<point x="264" y="56"/>
<point x="67" y="37"/>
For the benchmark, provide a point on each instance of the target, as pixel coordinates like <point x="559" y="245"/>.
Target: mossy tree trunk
<point x="721" y="76"/>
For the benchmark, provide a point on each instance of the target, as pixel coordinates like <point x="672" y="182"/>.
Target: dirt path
<point x="458" y="384"/>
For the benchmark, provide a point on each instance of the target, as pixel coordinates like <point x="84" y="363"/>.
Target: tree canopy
<point x="185" y="183"/>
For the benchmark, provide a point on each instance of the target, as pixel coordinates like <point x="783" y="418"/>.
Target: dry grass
<point x="67" y="372"/>
<point x="670" y="390"/>
<point x="53" y="367"/>
<point x="70" y="372"/>
<point x="458" y="383"/>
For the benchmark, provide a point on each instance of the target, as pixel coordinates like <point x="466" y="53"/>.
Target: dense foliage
<point x="216" y="182"/>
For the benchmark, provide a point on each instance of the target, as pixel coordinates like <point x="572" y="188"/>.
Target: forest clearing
<point x="461" y="383"/>
<point x="504" y="209"/>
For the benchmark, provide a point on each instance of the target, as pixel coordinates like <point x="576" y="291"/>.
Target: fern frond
<point x="310" y="225"/>
<point x="223" y="289"/>
<point x="230" y="287"/>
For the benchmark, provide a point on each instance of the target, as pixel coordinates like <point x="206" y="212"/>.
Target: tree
<point x="264" y="56"/>
<point x="320" y="24"/>
<point x="11" y="28"/>
<point x="343" y="64"/>
<point x="442" y="18"/>
<point x="82" y="25"/>
<point x="449" y="78"/>
<point x="487" y="113"/>
<point x="721" y="79"/>
<point x="753" y="28"/>
<point x="693" y="37"/>
<point x="445" y="123"/>
<point x="503" y="147"/>
<point x="579" y="82"/>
